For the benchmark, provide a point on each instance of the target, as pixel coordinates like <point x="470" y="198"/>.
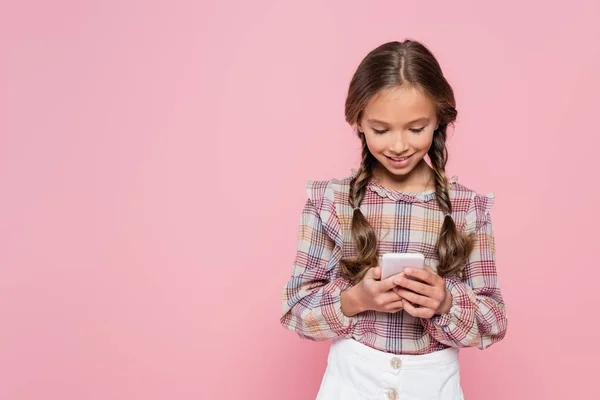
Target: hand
<point x="428" y="292"/>
<point x="372" y="294"/>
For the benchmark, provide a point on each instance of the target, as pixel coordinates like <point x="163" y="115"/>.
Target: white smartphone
<point x="394" y="263"/>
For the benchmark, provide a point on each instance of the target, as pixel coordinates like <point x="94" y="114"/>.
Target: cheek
<point x="376" y="143"/>
<point x="423" y="142"/>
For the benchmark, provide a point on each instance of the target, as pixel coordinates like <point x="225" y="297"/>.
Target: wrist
<point x="350" y="302"/>
<point x="446" y="304"/>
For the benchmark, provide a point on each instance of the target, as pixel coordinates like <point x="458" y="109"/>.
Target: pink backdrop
<point x="153" y="157"/>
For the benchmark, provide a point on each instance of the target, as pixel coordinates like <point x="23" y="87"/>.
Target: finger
<point x="395" y="306"/>
<point x="389" y="284"/>
<point x="390" y="297"/>
<point x="415" y="298"/>
<point x="422" y="274"/>
<point x="421" y="312"/>
<point x="415" y="286"/>
<point x="398" y="289"/>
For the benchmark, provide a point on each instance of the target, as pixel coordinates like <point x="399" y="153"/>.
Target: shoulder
<point x="325" y="197"/>
<point x="475" y="206"/>
<point x="470" y="198"/>
<point x="332" y="190"/>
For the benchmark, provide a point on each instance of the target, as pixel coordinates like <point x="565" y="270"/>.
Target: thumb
<point x="429" y="269"/>
<point x="375" y="272"/>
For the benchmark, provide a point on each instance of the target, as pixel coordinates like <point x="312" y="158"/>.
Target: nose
<point x="398" y="145"/>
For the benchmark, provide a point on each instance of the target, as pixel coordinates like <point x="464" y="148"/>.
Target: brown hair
<point x="391" y="65"/>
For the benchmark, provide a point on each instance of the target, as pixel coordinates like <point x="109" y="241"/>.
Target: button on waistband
<point x="396" y="363"/>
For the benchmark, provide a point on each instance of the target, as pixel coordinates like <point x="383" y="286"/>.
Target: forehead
<point x="399" y="105"/>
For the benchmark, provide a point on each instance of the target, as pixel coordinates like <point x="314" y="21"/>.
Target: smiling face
<point x="398" y="125"/>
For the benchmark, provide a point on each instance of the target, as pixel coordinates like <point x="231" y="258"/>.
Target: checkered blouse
<point x="405" y="222"/>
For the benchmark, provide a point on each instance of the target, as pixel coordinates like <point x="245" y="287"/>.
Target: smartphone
<point x="394" y="263"/>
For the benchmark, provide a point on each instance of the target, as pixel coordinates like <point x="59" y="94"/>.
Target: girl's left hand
<point x="429" y="292"/>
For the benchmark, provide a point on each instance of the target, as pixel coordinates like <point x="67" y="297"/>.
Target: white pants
<point x="356" y="371"/>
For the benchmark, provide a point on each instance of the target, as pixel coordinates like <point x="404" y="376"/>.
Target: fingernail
<point x="408" y="271"/>
<point x="397" y="280"/>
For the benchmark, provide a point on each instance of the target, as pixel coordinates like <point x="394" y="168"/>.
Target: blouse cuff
<point x="332" y="307"/>
<point x="461" y="300"/>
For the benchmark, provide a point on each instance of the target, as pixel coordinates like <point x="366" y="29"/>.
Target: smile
<point x="399" y="162"/>
<point x="399" y="158"/>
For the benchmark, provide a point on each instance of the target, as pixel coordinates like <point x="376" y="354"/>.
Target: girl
<point x="396" y="338"/>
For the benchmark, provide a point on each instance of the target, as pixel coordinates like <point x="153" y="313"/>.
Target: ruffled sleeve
<point x="311" y="299"/>
<point x="477" y="317"/>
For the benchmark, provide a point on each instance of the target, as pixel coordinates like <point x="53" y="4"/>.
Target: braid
<point x="363" y="175"/>
<point x="439" y="157"/>
<point x="363" y="234"/>
<point x="454" y="247"/>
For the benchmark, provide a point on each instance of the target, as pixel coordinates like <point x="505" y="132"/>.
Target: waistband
<point x="370" y="354"/>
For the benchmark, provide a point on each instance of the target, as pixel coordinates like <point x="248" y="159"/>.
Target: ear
<point x="358" y="124"/>
<point x="359" y="130"/>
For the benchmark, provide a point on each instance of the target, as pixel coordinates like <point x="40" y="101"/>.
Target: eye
<point x="379" y="132"/>
<point x="417" y="130"/>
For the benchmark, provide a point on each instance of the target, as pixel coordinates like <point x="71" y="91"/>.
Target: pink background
<point x="153" y="157"/>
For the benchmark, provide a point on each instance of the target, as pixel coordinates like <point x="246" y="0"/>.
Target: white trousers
<point x="356" y="371"/>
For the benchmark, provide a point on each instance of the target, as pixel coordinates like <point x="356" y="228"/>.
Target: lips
<point x="399" y="162"/>
<point x="399" y="158"/>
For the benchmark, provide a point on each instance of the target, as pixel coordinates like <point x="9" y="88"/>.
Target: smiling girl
<point x="397" y="337"/>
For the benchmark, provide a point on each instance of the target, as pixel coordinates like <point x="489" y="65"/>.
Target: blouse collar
<point x="397" y="195"/>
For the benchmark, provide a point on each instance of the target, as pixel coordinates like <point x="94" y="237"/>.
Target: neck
<point x="420" y="179"/>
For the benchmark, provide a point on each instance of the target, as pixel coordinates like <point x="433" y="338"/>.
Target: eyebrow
<point x="376" y="121"/>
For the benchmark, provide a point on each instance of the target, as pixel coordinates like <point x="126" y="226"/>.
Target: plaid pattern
<point x="405" y="222"/>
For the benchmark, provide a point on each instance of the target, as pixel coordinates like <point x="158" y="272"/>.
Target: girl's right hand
<point x="371" y="294"/>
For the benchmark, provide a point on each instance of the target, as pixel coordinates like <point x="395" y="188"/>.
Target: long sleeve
<point x="311" y="298"/>
<point x="477" y="317"/>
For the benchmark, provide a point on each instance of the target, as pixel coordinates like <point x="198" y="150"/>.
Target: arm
<point x="477" y="316"/>
<point x="312" y="297"/>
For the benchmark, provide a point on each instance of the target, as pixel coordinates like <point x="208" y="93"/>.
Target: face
<point x="398" y="125"/>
